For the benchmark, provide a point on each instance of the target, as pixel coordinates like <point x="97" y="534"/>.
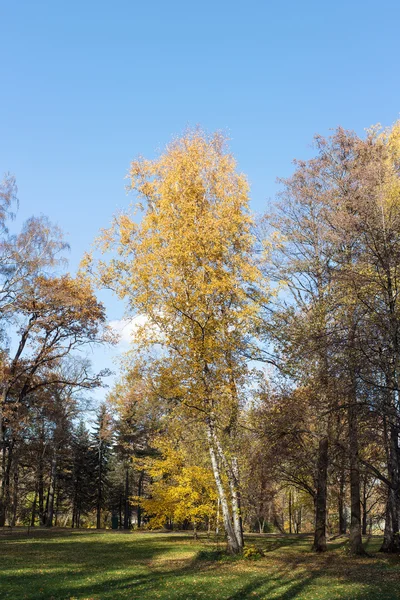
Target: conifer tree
<point x="101" y="439"/>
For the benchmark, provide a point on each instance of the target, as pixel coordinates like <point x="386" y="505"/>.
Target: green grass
<point x="89" y="565"/>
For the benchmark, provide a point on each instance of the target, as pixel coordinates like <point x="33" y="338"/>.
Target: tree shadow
<point x="108" y="569"/>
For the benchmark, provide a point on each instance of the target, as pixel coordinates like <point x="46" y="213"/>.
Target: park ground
<point x="90" y="565"/>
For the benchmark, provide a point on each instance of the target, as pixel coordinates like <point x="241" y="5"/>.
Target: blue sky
<point x="86" y="86"/>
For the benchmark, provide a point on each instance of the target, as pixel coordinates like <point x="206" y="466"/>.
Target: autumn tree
<point x="138" y="415"/>
<point x="56" y="316"/>
<point x="182" y="490"/>
<point x="36" y="249"/>
<point x="302" y="323"/>
<point x="49" y="317"/>
<point x="371" y="216"/>
<point x="338" y="254"/>
<point x="187" y="268"/>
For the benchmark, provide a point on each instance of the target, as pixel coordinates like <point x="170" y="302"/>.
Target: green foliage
<point x="211" y="555"/>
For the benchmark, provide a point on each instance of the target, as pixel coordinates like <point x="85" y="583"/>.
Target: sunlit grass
<point x="88" y="565"/>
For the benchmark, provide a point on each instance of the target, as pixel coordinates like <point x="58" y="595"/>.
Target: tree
<point x="82" y="480"/>
<point x="303" y="322"/>
<point x="137" y="418"/>
<point x="56" y="316"/>
<point x="339" y="255"/>
<point x="180" y="491"/>
<point x="101" y="444"/>
<point x="188" y="268"/>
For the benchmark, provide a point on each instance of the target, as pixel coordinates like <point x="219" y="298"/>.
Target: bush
<point x="211" y="555"/>
<point x="251" y="552"/>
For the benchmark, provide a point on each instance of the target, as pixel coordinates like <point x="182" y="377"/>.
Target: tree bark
<point x="120" y="520"/>
<point x="5" y="496"/>
<point x="236" y="502"/>
<point x="57" y="505"/>
<point x="299" y="515"/>
<point x="3" y="470"/>
<point x="15" y="493"/>
<point x="40" y="478"/>
<point x="217" y="517"/>
<point x="341" y="505"/>
<point x="99" y="491"/>
<point x="391" y="541"/>
<point x="126" y="506"/>
<point x="355" y="539"/>
<point x="50" y="498"/>
<point x="232" y="475"/>
<point x="364" y="507"/>
<point x="33" y="515"/>
<point x="321" y="496"/>
<point x="139" y="508"/>
<point x="233" y="542"/>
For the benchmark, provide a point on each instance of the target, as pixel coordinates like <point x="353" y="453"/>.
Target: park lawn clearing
<point x="91" y="565"/>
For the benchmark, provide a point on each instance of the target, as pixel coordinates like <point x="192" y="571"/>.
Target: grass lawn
<point x="88" y="565"/>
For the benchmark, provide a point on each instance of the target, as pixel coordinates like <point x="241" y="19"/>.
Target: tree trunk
<point x="3" y="473"/>
<point x="233" y="543"/>
<point x="355" y="539"/>
<point x="139" y="508"/>
<point x="126" y="506"/>
<point x="234" y="483"/>
<point x="15" y="493"/>
<point x="5" y="484"/>
<point x="391" y="541"/>
<point x="74" y="506"/>
<point x="341" y="505"/>
<point x="261" y="524"/>
<point x="232" y="475"/>
<point x="33" y="515"/>
<point x="299" y="515"/>
<point x="41" y="482"/>
<point x="364" y="522"/>
<point x="57" y="506"/>
<point x="364" y="507"/>
<point x="120" y="520"/>
<point x="52" y="488"/>
<point x="3" y="448"/>
<point x="217" y="518"/>
<point x="46" y="510"/>
<point x="275" y="519"/>
<point x="320" y="498"/>
<point x="99" y="491"/>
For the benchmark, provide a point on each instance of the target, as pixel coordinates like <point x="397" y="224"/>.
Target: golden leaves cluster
<point x="188" y="265"/>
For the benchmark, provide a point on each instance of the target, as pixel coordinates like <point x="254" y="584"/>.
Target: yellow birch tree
<point x="188" y="268"/>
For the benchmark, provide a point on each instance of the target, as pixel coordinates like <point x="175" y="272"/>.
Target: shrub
<point x="251" y="552"/>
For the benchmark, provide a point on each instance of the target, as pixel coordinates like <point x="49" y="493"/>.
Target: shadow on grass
<point x="189" y="583"/>
<point x="106" y="568"/>
<point x="176" y="583"/>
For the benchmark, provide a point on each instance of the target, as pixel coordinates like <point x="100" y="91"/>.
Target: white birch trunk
<point x="233" y="544"/>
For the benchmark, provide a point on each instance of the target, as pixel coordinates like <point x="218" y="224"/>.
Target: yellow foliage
<point x="188" y="267"/>
<point x="180" y="490"/>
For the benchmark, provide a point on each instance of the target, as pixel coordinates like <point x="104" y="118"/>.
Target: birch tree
<point x="187" y="267"/>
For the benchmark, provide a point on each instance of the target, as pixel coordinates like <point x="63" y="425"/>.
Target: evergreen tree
<point x="101" y="447"/>
<point x="82" y="477"/>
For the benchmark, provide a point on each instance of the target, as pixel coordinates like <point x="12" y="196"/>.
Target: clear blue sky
<point x="86" y="86"/>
